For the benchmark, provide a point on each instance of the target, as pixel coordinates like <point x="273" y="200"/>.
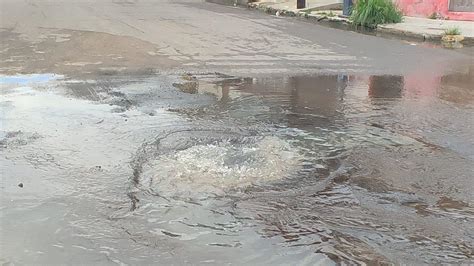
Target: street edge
<point x="342" y="22"/>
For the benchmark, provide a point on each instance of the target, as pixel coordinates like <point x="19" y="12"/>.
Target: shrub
<point x="370" y="13"/>
<point x="452" y="31"/>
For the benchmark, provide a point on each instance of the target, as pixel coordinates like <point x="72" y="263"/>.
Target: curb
<point x="408" y="34"/>
<point x="342" y="22"/>
<point x="469" y="41"/>
<point x="288" y="13"/>
<point x="230" y="2"/>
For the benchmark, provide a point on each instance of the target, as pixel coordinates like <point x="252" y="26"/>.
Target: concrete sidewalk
<point x="429" y="29"/>
<point x="290" y="5"/>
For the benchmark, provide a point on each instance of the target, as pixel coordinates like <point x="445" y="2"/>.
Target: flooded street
<point x="312" y="152"/>
<point x="214" y="169"/>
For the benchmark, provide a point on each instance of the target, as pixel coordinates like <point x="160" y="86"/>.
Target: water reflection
<point x="458" y="87"/>
<point x="324" y="94"/>
<point x="386" y="86"/>
<point x="304" y="100"/>
<point x="367" y="142"/>
<point x="328" y="101"/>
<point x="318" y="95"/>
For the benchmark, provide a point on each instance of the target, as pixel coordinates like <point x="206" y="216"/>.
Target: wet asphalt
<point x="185" y="132"/>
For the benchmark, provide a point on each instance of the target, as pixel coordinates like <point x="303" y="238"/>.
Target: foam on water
<point x="217" y="167"/>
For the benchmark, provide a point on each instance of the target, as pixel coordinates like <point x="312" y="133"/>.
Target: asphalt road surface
<point x="185" y="132"/>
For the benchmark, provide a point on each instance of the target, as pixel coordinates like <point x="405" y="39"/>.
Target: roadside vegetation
<point x="433" y="15"/>
<point x="370" y="13"/>
<point x="452" y="31"/>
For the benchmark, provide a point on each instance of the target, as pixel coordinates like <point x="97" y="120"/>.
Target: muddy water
<point x="211" y="169"/>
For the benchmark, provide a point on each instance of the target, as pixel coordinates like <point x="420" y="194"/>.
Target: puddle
<point x="19" y="80"/>
<point x="206" y="168"/>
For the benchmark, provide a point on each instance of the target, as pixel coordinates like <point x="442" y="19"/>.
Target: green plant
<point x="452" y="31"/>
<point x="331" y="14"/>
<point x="370" y="13"/>
<point x="433" y="15"/>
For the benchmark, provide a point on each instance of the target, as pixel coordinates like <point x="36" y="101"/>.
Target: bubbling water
<point x="222" y="165"/>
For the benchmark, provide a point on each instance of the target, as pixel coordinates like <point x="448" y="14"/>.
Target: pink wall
<point x="424" y="8"/>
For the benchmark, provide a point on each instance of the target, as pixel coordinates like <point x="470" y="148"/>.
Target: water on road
<point x="213" y="169"/>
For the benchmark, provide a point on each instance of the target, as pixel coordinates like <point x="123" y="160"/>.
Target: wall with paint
<point x="425" y="8"/>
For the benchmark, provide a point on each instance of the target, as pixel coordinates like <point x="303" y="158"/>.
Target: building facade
<point x="446" y="9"/>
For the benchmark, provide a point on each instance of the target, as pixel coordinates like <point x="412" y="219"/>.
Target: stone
<point x="452" y="38"/>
